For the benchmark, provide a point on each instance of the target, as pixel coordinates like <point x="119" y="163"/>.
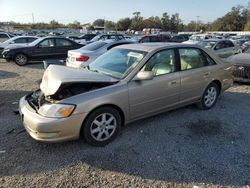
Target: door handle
<point x="173" y="82"/>
<point x="206" y="73"/>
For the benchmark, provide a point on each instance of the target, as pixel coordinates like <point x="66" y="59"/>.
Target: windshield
<point x="117" y="63"/>
<point x="94" y="46"/>
<point x="96" y="38"/>
<point x="196" y="38"/>
<point x="207" y="44"/>
<point x="10" y="40"/>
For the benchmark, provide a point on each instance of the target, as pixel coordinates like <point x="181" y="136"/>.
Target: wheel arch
<point x="218" y="83"/>
<point x="120" y="111"/>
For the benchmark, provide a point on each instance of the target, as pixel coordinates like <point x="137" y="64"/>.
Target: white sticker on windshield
<point x="136" y="55"/>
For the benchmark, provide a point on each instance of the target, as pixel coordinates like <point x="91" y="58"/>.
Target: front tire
<point x="21" y="59"/>
<point x="102" y="126"/>
<point x="209" y="97"/>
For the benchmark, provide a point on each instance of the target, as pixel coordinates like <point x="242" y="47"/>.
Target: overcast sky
<point x="88" y="10"/>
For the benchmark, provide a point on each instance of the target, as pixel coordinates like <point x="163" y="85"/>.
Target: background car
<point x="5" y="36"/>
<point x="241" y="67"/>
<point x="82" y="39"/>
<point x="16" y="40"/>
<point x="154" y="38"/>
<point x="223" y="48"/>
<point x="195" y="39"/>
<point x="240" y="39"/>
<point x="82" y="57"/>
<point x="128" y="83"/>
<point x="105" y="37"/>
<point x="40" y="49"/>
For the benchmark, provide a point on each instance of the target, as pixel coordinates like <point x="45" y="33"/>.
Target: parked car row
<point x="163" y="38"/>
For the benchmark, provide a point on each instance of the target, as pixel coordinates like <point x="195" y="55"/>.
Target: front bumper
<point x="241" y="73"/>
<point x="7" y="56"/>
<point x="49" y="129"/>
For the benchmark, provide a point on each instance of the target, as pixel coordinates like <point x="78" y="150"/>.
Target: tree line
<point x="237" y="19"/>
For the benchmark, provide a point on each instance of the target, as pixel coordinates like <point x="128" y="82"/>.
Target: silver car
<point x="128" y="83"/>
<point x="222" y="47"/>
<point x="16" y="40"/>
<point x="82" y="57"/>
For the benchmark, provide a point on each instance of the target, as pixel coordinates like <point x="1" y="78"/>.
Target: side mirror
<point x="144" y="75"/>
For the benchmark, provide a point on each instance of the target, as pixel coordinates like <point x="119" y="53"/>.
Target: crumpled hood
<point x="56" y="75"/>
<point x="242" y="59"/>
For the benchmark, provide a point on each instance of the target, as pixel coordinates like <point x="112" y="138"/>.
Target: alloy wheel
<point x="210" y="96"/>
<point x="103" y="127"/>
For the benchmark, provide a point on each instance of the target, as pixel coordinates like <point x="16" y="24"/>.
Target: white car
<point x="16" y="40"/>
<point x="82" y="57"/>
<point x="5" y="36"/>
<point x="195" y="39"/>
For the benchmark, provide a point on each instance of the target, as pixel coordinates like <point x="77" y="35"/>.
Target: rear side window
<point x="220" y="45"/>
<point x="155" y="39"/>
<point x="145" y="39"/>
<point x="94" y="46"/>
<point x="31" y="39"/>
<point x="191" y="58"/>
<point x="4" y="36"/>
<point x="229" y="44"/>
<point x="63" y="42"/>
<point x="21" y="40"/>
<point x="209" y="60"/>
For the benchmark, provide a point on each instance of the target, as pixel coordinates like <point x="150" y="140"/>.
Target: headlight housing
<point x="6" y="50"/>
<point x="56" y="110"/>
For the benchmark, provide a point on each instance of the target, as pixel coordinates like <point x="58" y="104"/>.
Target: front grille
<point x="241" y="71"/>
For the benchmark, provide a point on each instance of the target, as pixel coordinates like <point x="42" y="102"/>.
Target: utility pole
<point x="33" y="19"/>
<point x="197" y="20"/>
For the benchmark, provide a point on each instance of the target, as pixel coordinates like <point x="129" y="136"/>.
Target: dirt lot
<point x="181" y="148"/>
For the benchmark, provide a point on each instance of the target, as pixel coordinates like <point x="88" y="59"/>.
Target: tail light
<point x="82" y="58"/>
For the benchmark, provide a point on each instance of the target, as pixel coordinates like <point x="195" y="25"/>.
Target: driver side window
<point x="161" y="63"/>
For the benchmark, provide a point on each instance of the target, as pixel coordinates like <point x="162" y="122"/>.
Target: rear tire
<point x="21" y="59"/>
<point x="102" y="126"/>
<point x="209" y="97"/>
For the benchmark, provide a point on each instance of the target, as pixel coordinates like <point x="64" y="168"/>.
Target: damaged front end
<point x="38" y="98"/>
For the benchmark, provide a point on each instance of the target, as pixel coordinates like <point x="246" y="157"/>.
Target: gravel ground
<point x="182" y="148"/>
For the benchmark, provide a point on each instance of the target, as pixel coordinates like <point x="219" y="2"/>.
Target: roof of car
<point x="215" y="40"/>
<point x="149" y="47"/>
<point x="53" y="37"/>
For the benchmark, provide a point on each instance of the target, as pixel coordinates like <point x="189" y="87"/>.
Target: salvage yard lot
<point x="181" y="148"/>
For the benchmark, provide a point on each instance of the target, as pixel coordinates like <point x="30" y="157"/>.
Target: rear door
<point x="62" y="46"/>
<point x="151" y="96"/>
<point x="195" y="74"/>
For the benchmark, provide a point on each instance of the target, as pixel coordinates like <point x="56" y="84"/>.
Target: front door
<point x="44" y="50"/>
<point x="150" y="96"/>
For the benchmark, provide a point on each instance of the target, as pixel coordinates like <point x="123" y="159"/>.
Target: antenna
<point x="33" y="19"/>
